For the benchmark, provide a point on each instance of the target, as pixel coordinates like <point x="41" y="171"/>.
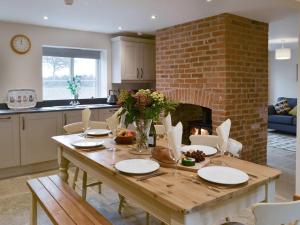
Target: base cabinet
<point x="36" y="131"/>
<point x="10" y="141"/>
<point x="103" y="114"/>
<point x="76" y="116"/>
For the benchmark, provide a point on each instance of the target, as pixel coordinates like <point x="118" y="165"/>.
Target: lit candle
<point x="204" y="132"/>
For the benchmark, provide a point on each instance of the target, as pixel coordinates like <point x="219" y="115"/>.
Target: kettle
<point x="112" y="98"/>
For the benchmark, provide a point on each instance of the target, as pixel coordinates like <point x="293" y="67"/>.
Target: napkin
<point x="167" y="122"/>
<point x="113" y="122"/>
<point x="223" y="132"/>
<point x="86" y="114"/>
<point x="174" y="135"/>
<point x="234" y="147"/>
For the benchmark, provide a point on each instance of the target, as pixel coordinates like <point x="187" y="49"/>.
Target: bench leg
<point x="33" y="210"/>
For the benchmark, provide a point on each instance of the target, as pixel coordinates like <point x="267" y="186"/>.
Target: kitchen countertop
<point x="55" y="108"/>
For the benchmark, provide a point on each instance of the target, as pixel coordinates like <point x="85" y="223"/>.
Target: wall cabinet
<point x="36" y="131"/>
<point x="133" y="59"/>
<point x="10" y="141"/>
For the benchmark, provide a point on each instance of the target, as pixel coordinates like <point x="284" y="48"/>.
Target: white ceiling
<point x="134" y="15"/>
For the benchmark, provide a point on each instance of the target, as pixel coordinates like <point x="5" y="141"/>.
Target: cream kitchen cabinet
<point x="76" y="116"/>
<point x="36" y="130"/>
<point x="106" y="113"/>
<point x="133" y="59"/>
<point x="10" y="141"/>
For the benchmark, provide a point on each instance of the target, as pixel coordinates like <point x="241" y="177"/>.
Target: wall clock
<point x="20" y="44"/>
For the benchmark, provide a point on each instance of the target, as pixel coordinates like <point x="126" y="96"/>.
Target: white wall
<point x="282" y="77"/>
<point x="25" y="71"/>
<point x="298" y="129"/>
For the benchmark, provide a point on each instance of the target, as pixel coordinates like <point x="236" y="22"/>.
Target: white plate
<point x="137" y="166"/>
<point x="208" y="150"/>
<point x="87" y="144"/>
<point x="98" y="132"/>
<point x="223" y="175"/>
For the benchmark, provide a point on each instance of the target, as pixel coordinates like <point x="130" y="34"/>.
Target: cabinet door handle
<point x="142" y="73"/>
<point x="137" y="73"/>
<point x="23" y="123"/>
<point x="65" y="119"/>
<point x="5" y="118"/>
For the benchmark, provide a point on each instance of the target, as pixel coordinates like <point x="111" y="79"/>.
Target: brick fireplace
<point x="220" y="63"/>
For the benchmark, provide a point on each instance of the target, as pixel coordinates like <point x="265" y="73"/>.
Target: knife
<point x="146" y="177"/>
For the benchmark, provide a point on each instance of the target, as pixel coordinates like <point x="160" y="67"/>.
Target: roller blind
<point x="71" y="53"/>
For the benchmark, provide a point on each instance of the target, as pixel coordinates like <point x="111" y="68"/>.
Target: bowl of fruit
<point x="125" y="136"/>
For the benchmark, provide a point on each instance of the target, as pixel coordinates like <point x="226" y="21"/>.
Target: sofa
<point x="284" y="123"/>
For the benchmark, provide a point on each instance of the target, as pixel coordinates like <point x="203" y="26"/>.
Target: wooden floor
<point x="15" y="198"/>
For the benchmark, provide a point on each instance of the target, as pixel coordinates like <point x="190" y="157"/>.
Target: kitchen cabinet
<point x="10" y="141"/>
<point x="106" y="113"/>
<point x="36" y="131"/>
<point x="133" y="59"/>
<point x="76" y="116"/>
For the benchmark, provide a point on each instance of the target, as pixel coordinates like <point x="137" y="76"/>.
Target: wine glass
<point x="85" y="131"/>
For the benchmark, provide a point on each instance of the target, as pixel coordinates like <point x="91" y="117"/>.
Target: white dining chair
<point x="234" y="147"/>
<point x="277" y="213"/>
<point x="78" y="128"/>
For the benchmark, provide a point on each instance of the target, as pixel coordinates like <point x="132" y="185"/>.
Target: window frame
<point x="72" y="67"/>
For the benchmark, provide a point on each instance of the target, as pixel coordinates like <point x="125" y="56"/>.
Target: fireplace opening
<point x="195" y="120"/>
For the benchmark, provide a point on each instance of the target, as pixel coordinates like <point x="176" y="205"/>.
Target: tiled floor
<point x="15" y="198"/>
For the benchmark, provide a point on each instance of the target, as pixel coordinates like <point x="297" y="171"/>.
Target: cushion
<point x="291" y="101"/>
<point x="293" y="112"/>
<point x="282" y="119"/>
<point x="295" y="121"/>
<point x="282" y="107"/>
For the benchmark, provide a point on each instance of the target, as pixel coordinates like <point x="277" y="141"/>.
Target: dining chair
<point x="233" y="148"/>
<point x="221" y="142"/>
<point x="277" y="213"/>
<point x="78" y="128"/>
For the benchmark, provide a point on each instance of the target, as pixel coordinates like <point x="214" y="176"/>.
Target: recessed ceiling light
<point x="120" y="28"/>
<point x="153" y="17"/>
<point x="208" y="0"/>
<point x="45" y="17"/>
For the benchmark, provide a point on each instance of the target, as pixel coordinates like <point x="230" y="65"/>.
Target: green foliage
<point x="74" y="85"/>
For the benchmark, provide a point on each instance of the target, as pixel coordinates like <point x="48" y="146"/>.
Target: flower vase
<point x="142" y="133"/>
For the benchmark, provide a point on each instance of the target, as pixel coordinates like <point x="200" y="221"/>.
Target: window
<point x="61" y="64"/>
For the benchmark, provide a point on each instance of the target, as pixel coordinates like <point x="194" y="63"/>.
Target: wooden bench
<point x="61" y="203"/>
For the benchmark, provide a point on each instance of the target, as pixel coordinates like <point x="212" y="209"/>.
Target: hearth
<point x="195" y="120"/>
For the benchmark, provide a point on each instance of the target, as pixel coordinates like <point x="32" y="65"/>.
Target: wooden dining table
<point x="178" y="197"/>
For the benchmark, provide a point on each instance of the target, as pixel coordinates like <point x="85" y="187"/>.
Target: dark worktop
<point x="58" y="105"/>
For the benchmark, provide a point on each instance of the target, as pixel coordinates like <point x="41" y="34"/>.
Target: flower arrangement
<point x="145" y="104"/>
<point x="74" y="86"/>
<point x="141" y="108"/>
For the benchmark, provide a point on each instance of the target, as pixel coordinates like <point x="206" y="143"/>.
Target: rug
<point x="282" y="141"/>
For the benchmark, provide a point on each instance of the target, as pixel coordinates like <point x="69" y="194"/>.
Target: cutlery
<point x="252" y="175"/>
<point x="146" y="177"/>
<point x="207" y="186"/>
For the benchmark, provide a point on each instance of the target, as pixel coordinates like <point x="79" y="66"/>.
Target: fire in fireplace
<point x="195" y="120"/>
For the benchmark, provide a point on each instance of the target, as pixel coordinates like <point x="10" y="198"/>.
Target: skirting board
<point x="29" y="169"/>
<point x="296" y="197"/>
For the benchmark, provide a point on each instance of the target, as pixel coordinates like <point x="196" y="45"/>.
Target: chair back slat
<point x="276" y="213"/>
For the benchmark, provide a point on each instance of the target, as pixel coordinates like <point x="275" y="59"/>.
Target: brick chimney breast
<point x="221" y="63"/>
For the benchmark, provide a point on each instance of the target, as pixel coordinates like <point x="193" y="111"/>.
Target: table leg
<point x="63" y="165"/>
<point x="270" y="192"/>
<point x="33" y="210"/>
